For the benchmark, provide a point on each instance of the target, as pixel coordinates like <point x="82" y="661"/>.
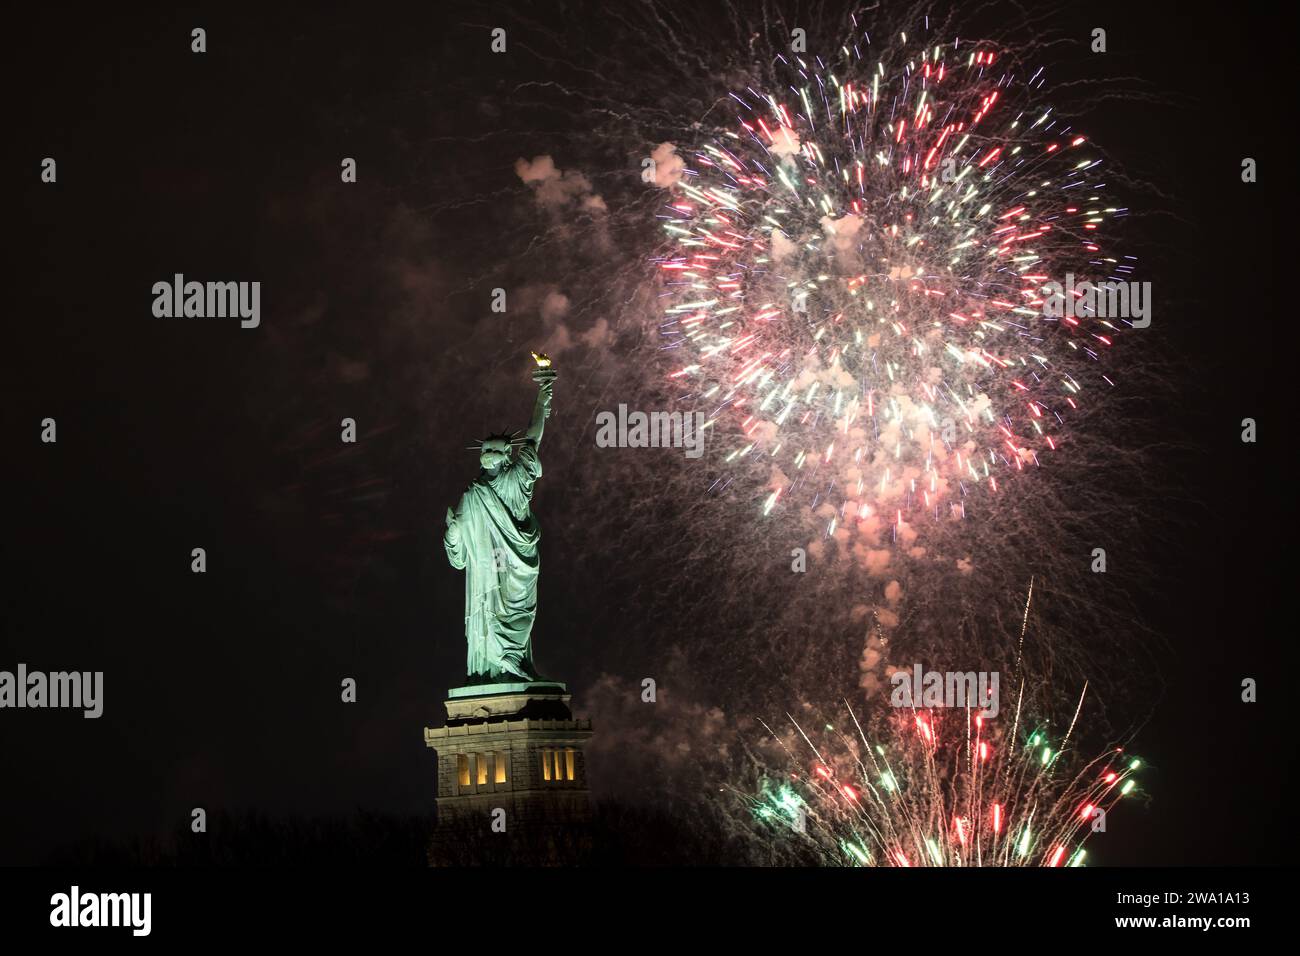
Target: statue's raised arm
<point x="544" y="376"/>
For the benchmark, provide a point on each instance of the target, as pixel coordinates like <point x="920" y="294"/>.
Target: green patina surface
<point x="515" y="687"/>
<point x="493" y="536"/>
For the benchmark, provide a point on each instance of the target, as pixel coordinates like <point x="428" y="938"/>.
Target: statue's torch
<point x="544" y="375"/>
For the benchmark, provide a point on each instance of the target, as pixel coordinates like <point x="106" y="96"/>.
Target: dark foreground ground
<point x="618" y="835"/>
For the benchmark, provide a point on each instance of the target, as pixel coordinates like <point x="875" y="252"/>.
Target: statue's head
<point x="494" y="452"/>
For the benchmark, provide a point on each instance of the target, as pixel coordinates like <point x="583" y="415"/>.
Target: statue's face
<point x="493" y="455"/>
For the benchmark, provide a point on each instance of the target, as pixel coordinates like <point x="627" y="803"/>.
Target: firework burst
<point x="859" y="273"/>
<point x="946" y="788"/>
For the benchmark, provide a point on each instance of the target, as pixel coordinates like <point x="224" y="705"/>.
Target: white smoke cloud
<point x="554" y="306"/>
<point x="668" y="165"/>
<point x="781" y="245"/>
<point x="786" y="143"/>
<point x="842" y="233"/>
<point x="555" y="189"/>
<point x="599" y="336"/>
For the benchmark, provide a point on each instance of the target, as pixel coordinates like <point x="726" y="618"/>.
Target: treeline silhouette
<point x="617" y="834"/>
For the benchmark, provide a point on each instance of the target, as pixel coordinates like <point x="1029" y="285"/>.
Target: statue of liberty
<point x="493" y="536"/>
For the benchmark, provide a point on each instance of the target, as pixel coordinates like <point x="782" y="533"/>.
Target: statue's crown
<point x="511" y="439"/>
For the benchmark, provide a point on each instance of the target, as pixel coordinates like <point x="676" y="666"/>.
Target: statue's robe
<point x="495" y="540"/>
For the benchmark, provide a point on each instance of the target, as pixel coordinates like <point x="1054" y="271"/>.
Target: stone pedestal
<point x="514" y="747"/>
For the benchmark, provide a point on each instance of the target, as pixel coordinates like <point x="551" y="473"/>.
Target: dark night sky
<point x="325" y="561"/>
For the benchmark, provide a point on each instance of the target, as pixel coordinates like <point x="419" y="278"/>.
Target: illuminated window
<point x="480" y="761"/>
<point x="462" y="769"/>
<point x="558" y="765"/>
<point x="500" y="768"/>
